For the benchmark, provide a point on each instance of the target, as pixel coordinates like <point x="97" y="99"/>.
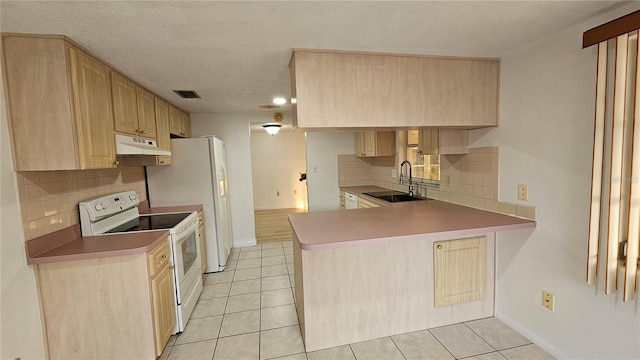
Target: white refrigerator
<point x="198" y="175"/>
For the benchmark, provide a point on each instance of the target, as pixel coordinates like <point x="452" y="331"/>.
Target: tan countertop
<point x="68" y="244"/>
<point x="427" y="219"/>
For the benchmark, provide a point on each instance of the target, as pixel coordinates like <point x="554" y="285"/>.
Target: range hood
<point x="131" y="145"/>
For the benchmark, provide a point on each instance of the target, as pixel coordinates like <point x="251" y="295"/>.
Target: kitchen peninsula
<point x="369" y="273"/>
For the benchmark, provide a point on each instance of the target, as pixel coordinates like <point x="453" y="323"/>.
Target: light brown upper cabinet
<point x="363" y="90"/>
<point x="59" y="100"/>
<point x="185" y="121"/>
<point x="324" y="85"/>
<point x="162" y="130"/>
<point x="180" y="122"/>
<point x="163" y="138"/>
<point x="133" y="108"/>
<point x="440" y="141"/>
<point x="375" y="143"/>
<point x="146" y="112"/>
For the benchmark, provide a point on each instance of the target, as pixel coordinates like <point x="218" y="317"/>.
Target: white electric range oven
<point x="118" y="213"/>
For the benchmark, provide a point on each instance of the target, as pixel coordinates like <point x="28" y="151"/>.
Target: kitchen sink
<point x="393" y="196"/>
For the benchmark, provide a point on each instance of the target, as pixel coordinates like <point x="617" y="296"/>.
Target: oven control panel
<point x="108" y="205"/>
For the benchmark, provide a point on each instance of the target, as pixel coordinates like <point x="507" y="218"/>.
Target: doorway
<point x="277" y="163"/>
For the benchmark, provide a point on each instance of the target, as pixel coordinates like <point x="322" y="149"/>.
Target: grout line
<point x="440" y="342"/>
<point x="397" y="347"/>
<point x="473" y="356"/>
<point x="478" y="335"/>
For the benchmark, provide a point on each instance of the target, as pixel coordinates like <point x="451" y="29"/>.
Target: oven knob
<point x="99" y="207"/>
<point x="133" y="196"/>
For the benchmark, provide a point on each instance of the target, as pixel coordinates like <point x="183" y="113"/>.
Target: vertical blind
<point x="614" y="224"/>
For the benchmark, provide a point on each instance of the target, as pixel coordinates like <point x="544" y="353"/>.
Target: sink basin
<point x="393" y="196"/>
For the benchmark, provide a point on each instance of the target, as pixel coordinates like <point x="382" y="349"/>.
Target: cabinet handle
<point x="161" y="161"/>
<point x="164" y="256"/>
<point x="439" y="246"/>
<point x="172" y="267"/>
<point x="143" y="131"/>
<point x="116" y="163"/>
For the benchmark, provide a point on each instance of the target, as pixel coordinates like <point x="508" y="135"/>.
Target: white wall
<point x="276" y="164"/>
<point x="234" y="130"/>
<point x="545" y="138"/>
<point x="21" y="332"/>
<point x="323" y="149"/>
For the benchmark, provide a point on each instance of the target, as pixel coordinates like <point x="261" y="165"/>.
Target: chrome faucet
<point x="406" y="162"/>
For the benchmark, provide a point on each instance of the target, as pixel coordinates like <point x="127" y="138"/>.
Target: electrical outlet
<point x="394" y="173"/>
<point x="523" y="192"/>
<point x="547" y="300"/>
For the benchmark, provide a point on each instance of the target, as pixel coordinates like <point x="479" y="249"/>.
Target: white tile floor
<point x="248" y="312"/>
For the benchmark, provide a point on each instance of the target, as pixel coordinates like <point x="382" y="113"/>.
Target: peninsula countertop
<point x="426" y="219"/>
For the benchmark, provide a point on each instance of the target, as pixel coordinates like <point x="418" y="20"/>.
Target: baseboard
<point x="542" y="343"/>
<point x="238" y="244"/>
<point x="275" y="207"/>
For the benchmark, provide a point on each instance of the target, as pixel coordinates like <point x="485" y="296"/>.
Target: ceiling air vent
<point x="269" y="106"/>
<point x="187" y="94"/>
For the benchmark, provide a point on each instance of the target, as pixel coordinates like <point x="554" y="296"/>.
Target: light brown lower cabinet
<point x="119" y="307"/>
<point x="363" y="204"/>
<point x="392" y="286"/>
<point x="203" y="242"/>
<point x="460" y="270"/>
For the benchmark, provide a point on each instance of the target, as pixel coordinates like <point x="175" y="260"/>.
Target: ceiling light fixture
<point x="272" y="129"/>
<point x="279" y="101"/>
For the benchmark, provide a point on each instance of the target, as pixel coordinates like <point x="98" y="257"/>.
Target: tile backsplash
<point x="474" y="174"/>
<point x="470" y="179"/>
<point x="49" y="199"/>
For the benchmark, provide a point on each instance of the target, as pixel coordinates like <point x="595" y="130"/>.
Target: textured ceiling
<point x="235" y="54"/>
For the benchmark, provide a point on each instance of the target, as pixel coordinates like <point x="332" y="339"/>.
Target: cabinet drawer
<point x="363" y="204"/>
<point x="158" y="257"/>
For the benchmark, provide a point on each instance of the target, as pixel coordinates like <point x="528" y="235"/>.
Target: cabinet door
<point x="185" y="124"/>
<point x="163" y="136"/>
<point x="146" y="113"/>
<point x="163" y="307"/>
<point x="460" y="92"/>
<point x="385" y="91"/>
<point x="453" y="141"/>
<point x="175" y="122"/>
<point x="369" y="143"/>
<point x="325" y="89"/>
<point x="428" y="143"/>
<point x="460" y="270"/>
<point x="91" y="89"/>
<point x="360" y="144"/>
<point x="125" y="108"/>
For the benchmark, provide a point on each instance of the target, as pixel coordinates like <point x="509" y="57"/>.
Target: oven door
<point x="187" y="265"/>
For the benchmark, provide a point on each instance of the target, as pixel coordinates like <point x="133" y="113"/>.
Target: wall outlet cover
<point x="548" y="300"/>
<point x="523" y="192"/>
